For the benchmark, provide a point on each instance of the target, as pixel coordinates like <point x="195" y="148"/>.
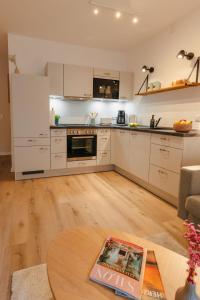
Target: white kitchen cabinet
<point x="78" y="81"/>
<point x="27" y="142"/>
<point x="58" y="161"/>
<point x="30" y="106"/>
<point x="168" y="140"/>
<point x="126" y="86"/>
<point x="34" y="158"/>
<point x="59" y="145"/>
<point x="107" y="74"/>
<point x="55" y="73"/>
<point x="103" y="142"/>
<point x="58" y="133"/>
<point x="166" y="157"/>
<point x="120" y="149"/>
<point x="81" y="164"/>
<point x="103" y="157"/>
<point x="140" y="154"/>
<point x="165" y="180"/>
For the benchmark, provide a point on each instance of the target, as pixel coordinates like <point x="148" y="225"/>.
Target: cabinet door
<point x="140" y="154"/>
<point x="55" y="73"/>
<point x="58" y="161"/>
<point x="30" y="106"/>
<point x="78" y="81"/>
<point x="59" y="145"/>
<point x="32" y="158"/>
<point x="120" y="149"/>
<point x="126" y="86"/>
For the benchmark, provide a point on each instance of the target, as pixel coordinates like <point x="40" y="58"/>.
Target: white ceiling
<point x="73" y="21"/>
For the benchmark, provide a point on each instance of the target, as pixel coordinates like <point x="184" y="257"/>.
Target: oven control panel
<point x="81" y="131"/>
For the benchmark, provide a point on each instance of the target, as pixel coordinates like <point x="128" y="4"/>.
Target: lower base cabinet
<point x="58" y="161"/>
<point x="83" y="163"/>
<point x="103" y="158"/>
<point x="164" y="180"/>
<point x="32" y="158"/>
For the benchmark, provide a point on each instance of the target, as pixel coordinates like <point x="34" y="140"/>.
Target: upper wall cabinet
<point x="78" y="81"/>
<point x="55" y="73"/>
<point x="126" y="86"/>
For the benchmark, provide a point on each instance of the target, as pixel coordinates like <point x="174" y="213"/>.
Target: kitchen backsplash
<point x="76" y="112"/>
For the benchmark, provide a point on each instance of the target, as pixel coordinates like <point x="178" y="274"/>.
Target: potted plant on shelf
<point x="188" y="292"/>
<point x="57" y="118"/>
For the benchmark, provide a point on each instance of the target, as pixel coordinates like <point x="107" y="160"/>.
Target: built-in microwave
<point x="105" y="88"/>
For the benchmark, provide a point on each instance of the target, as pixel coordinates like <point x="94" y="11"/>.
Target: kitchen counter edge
<point x="193" y="133"/>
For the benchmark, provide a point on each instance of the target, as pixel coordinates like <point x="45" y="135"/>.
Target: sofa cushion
<point x="192" y="205"/>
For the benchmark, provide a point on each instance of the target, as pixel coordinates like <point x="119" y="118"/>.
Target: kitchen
<point x="98" y="128"/>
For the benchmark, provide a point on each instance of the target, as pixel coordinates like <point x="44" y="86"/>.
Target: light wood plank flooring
<point x="32" y="212"/>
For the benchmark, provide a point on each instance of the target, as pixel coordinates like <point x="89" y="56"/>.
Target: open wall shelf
<point x="168" y="89"/>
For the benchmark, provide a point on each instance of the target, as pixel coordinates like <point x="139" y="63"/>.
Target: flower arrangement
<point x="193" y="237"/>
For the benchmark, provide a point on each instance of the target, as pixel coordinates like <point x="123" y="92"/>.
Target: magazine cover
<point x="152" y="285"/>
<point x="120" y="266"/>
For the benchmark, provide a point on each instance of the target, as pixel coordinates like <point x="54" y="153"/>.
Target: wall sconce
<point x="149" y="70"/>
<point x="183" y="54"/>
<point x="12" y="59"/>
<point x="190" y="56"/>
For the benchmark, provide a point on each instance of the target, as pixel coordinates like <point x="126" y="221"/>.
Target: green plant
<point x="57" y="118"/>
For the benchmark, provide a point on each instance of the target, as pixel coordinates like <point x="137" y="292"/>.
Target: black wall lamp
<point x="149" y="70"/>
<point x="182" y="54"/>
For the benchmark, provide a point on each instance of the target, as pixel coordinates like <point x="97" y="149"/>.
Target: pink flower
<point x="193" y="237"/>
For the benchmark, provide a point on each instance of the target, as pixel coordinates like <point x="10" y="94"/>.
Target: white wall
<point x="161" y="52"/>
<point x="33" y="54"/>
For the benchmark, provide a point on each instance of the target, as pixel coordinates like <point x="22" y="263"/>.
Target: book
<point x="152" y="286"/>
<point x="120" y="266"/>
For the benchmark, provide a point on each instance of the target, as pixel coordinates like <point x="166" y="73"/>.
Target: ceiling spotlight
<point x="145" y="69"/>
<point x="183" y="53"/>
<point x="96" y="11"/>
<point x="118" y="14"/>
<point x="135" y="20"/>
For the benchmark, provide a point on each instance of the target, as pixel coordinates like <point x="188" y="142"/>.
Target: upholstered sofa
<point x="189" y="194"/>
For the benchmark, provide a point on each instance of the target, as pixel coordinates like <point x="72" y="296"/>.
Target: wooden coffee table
<point x="73" y="253"/>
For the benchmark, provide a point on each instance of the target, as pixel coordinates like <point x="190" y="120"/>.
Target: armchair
<point x="189" y="194"/>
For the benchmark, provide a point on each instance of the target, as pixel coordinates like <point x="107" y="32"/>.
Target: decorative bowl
<point x="182" y="127"/>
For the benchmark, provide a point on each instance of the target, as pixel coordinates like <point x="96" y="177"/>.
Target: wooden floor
<point x="32" y="212"/>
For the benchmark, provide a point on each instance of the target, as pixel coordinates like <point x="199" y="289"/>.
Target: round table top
<point x="73" y="253"/>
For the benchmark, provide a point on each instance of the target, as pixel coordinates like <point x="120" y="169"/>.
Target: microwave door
<point x="105" y="88"/>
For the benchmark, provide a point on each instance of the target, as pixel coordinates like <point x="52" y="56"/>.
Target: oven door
<point x="82" y="147"/>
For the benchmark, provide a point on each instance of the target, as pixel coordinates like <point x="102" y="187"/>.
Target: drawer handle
<point x="134" y="134"/>
<point x="30" y="140"/>
<point x="164" y="139"/>
<point x="164" y="150"/>
<point x="43" y="148"/>
<point x="162" y="172"/>
<point x="58" y="156"/>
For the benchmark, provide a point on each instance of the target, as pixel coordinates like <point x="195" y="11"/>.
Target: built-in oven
<point x="81" y="144"/>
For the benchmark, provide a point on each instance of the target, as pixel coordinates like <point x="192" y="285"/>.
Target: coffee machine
<point x="121" y="117"/>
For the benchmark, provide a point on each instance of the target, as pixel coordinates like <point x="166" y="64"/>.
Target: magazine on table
<point x="120" y="266"/>
<point x="152" y="286"/>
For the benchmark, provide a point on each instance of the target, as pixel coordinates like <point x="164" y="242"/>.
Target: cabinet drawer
<point x="104" y="132"/>
<point x="84" y="163"/>
<point x="166" y="181"/>
<point x="32" y="158"/>
<point x="166" y="157"/>
<point x="58" y="145"/>
<point x="103" y="158"/>
<point x="25" y="142"/>
<point x="103" y="143"/>
<point x="58" y="132"/>
<point x="58" y="161"/>
<point x="167" y="140"/>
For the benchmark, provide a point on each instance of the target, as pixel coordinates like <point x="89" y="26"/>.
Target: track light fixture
<point x="146" y="81"/>
<point x="182" y="54"/>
